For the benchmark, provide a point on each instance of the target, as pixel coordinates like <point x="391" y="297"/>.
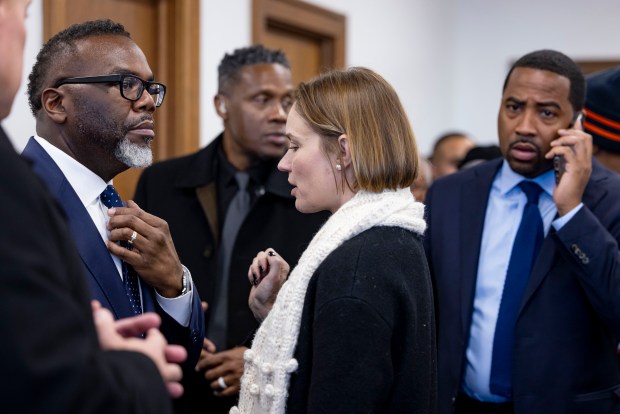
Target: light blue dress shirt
<point x="503" y="216"/>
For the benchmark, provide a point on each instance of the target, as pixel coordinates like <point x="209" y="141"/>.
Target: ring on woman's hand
<point x="271" y="253"/>
<point x="133" y="237"/>
<point x="222" y="383"/>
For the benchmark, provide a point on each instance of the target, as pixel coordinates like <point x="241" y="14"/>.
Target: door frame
<point x="298" y="17"/>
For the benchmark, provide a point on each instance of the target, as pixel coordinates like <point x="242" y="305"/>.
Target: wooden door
<point x="312" y="37"/>
<point x="168" y="33"/>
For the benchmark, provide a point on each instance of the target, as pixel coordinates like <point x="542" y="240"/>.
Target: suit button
<point x="208" y="252"/>
<point x="580" y="254"/>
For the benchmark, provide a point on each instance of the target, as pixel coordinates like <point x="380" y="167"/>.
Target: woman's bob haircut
<point x="360" y="104"/>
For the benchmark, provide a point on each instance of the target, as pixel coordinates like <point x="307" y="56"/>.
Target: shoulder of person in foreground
<point x="50" y="345"/>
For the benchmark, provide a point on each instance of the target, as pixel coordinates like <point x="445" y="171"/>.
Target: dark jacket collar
<point x="201" y="169"/>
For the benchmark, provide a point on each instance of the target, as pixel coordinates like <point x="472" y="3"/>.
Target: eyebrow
<point x="538" y="104"/>
<point x="122" y="71"/>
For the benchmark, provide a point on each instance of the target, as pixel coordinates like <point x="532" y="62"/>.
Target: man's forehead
<point x="110" y="54"/>
<point x="537" y="84"/>
<point x="99" y="48"/>
<point x="265" y="74"/>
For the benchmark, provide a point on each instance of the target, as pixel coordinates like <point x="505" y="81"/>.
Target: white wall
<point x="225" y="25"/>
<point x="20" y="123"/>
<point x="446" y="58"/>
<point x="491" y="34"/>
<point x="402" y="41"/>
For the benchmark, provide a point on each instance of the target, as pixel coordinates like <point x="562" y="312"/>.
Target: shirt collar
<point x="258" y="172"/>
<point x="507" y="180"/>
<point x="86" y="184"/>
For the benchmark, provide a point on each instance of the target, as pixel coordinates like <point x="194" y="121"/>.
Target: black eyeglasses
<point x="131" y="86"/>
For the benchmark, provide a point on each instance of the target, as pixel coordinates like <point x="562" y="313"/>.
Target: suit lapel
<point x="91" y="247"/>
<point x="543" y="264"/>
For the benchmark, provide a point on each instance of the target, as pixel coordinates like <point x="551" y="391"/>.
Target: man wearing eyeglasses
<point x="92" y="93"/>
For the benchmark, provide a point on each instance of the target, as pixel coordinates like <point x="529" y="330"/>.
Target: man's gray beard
<point x="133" y="155"/>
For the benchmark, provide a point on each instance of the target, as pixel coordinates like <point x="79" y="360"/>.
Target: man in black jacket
<point x="194" y="194"/>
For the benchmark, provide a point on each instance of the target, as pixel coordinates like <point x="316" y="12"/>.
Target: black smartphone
<point x="559" y="163"/>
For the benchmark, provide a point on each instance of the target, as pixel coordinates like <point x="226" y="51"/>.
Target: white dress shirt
<point x="502" y="220"/>
<point x="88" y="186"/>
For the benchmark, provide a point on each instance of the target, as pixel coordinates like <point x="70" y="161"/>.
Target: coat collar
<point x="201" y="170"/>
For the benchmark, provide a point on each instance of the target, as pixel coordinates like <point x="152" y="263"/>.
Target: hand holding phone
<point x="559" y="163"/>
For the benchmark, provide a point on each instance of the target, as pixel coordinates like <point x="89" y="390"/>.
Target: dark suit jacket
<point x="49" y="352"/>
<point x="105" y="283"/>
<point x="183" y="192"/>
<point x="367" y="335"/>
<point x="569" y="322"/>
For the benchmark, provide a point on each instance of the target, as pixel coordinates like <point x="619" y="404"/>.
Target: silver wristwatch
<point x="185" y="281"/>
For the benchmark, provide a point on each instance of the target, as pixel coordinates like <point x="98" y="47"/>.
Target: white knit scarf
<point x="270" y="362"/>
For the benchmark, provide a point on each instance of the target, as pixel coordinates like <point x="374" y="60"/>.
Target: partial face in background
<point x="109" y="128"/>
<point x="309" y="169"/>
<point x="450" y="152"/>
<point x="535" y="105"/>
<point x="256" y="107"/>
<point x="12" y="42"/>
<point x="423" y="181"/>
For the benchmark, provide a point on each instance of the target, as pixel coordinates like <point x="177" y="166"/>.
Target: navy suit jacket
<point x="105" y="284"/>
<point x="49" y="353"/>
<point x="569" y="322"/>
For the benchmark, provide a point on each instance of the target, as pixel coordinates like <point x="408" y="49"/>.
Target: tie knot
<point x="110" y="198"/>
<point x="242" y="179"/>
<point x="531" y="190"/>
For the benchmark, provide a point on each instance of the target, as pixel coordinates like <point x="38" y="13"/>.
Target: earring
<point x="339" y="167"/>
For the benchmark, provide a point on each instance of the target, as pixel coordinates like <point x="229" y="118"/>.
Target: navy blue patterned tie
<point x="110" y="198"/>
<point x="524" y="250"/>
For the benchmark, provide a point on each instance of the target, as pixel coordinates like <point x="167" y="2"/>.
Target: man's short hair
<point x="231" y="64"/>
<point x="559" y="63"/>
<point x="58" y="47"/>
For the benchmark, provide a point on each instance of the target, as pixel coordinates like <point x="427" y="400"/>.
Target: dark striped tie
<point x="110" y="198"/>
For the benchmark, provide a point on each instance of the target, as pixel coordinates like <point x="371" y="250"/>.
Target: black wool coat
<point x="367" y="336"/>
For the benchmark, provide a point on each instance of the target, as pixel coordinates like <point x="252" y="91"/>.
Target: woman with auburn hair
<point x="351" y="329"/>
